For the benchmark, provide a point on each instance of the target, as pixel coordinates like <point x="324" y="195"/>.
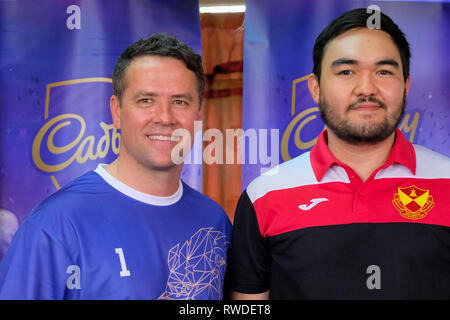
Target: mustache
<point x="367" y="99"/>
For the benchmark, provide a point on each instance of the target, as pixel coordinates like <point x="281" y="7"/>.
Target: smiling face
<point x="362" y="92"/>
<point x="160" y="96"/>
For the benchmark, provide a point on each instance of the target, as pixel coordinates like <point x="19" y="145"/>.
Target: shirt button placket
<point x="360" y="205"/>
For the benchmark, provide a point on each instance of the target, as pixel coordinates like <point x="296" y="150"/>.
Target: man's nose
<point x="164" y="114"/>
<point x="366" y="86"/>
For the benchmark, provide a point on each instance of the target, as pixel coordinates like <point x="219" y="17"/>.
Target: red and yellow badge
<point x="412" y="202"/>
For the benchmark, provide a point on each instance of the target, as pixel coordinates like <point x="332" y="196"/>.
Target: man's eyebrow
<point x="342" y="61"/>
<point x="390" y="62"/>
<point x="144" y="93"/>
<point x="186" y="96"/>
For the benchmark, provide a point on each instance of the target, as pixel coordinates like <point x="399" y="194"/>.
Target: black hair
<point x="358" y="18"/>
<point x="159" y="44"/>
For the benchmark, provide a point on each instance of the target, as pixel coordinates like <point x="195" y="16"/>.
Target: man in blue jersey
<point x="131" y="229"/>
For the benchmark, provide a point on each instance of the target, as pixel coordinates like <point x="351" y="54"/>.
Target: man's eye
<point x="345" y="72"/>
<point x="180" y="102"/>
<point x="385" y="72"/>
<point x="145" y="102"/>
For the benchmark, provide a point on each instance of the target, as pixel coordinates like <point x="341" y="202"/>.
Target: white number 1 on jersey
<point x="124" y="272"/>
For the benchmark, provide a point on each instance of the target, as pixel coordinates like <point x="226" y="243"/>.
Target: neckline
<point x="135" y="194"/>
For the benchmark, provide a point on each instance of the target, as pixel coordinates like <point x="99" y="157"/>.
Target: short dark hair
<point x="357" y="18"/>
<point x="159" y="44"/>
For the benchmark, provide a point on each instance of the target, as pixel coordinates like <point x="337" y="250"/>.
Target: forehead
<point x="363" y="45"/>
<point x="157" y="63"/>
<point x="157" y="73"/>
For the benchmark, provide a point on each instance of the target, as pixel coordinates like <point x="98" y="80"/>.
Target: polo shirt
<point x="310" y="228"/>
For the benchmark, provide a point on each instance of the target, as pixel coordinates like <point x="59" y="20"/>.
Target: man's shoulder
<point x="54" y="217"/>
<point x="201" y="201"/>
<point x="290" y="174"/>
<point x="425" y="154"/>
<point x="77" y="193"/>
<point x="431" y="164"/>
<point x="199" y="198"/>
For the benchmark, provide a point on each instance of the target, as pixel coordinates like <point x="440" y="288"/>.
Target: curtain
<point x="222" y="47"/>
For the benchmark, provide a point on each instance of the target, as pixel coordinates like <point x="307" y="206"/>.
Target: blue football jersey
<point x="97" y="238"/>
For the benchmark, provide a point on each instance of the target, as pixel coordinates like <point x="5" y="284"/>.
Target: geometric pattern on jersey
<point x="197" y="266"/>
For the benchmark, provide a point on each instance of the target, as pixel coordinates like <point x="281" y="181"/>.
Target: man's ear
<point x="114" y="105"/>
<point x="200" y="111"/>
<point x="407" y="85"/>
<point x="313" y="86"/>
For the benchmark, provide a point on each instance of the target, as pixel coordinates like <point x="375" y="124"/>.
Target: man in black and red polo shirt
<point x="365" y="214"/>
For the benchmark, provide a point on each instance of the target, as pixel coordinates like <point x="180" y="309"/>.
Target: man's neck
<point x="363" y="158"/>
<point x="161" y="183"/>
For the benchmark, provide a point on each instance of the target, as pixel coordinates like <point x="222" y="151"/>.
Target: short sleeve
<point x="249" y="260"/>
<point x="35" y="266"/>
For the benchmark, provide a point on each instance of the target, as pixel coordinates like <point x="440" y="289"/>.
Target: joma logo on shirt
<point x="313" y="203"/>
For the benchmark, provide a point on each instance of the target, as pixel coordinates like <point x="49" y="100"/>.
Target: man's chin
<point x="364" y="136"/>
<point x="161" y="164"/>
<point x="166" y="166"/>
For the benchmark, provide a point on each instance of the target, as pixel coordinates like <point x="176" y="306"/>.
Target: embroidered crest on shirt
<point x="413" y="202"/>
<point x="197" y="267"/>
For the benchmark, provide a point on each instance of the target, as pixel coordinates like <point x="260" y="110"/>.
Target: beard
<point x="365" y="132"/>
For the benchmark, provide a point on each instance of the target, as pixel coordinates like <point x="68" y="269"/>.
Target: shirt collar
<point x="322" y="159"/>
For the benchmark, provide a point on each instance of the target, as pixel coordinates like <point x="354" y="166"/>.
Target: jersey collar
<point x="138" y="195"/>
<point x="322" y="159"/>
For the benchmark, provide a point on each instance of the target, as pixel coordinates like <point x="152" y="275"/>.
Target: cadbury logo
<point x="79" y="149"/>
